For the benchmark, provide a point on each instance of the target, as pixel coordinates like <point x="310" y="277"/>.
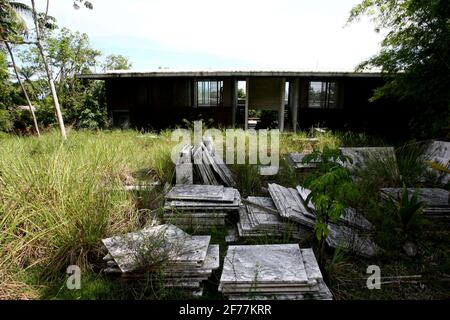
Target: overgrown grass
<point x="59" y="199"/>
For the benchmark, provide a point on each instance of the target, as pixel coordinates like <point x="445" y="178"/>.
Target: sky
<point x="228" y="34"/>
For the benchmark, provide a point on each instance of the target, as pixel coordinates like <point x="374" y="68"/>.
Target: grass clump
<point x="59" y="199"/>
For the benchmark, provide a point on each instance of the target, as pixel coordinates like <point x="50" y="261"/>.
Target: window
<point x="209" y="93"/>
<point x="322" y="94"/>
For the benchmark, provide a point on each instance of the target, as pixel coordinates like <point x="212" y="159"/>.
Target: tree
<point x="5" y="94"/>
<point x="41" y="23"/>
<point x="116" y="62"/>
<point x="68" y="54"/>
<point x="39" y="33"/>
<point x="416" y="50"/>
<point x="11" y="28"/>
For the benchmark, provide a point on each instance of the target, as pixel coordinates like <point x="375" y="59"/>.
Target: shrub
<point x="406" y="211"/>
<point x="331" y="186"/>
<point x="6" y="123"/>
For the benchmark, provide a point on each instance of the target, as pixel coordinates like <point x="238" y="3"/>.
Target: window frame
<point x="205" y="97"/>
<point x="325" y="101"/>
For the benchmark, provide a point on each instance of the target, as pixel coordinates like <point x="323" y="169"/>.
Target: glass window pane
<point x="209" y="93"/>
<point x="315" y="94"/>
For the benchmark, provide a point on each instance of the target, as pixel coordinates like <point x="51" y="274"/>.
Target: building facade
<point x="164" y="98"/>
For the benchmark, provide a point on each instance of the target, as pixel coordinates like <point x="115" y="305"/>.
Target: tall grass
<point x="59" y="199"/>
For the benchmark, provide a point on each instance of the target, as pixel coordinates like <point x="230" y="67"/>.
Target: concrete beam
<point x="219" y="73"/>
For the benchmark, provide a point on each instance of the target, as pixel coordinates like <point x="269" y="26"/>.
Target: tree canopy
<point x="416" y="49"/>
<point x="116" y="62"/>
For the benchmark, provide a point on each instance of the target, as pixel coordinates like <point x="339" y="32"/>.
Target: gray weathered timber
<point x="295" y="160"/>
<point x="189" y="260"/>
<point x="176" y="245"/>
<point x="436" y="202"/>
<point x="198" y="192"/>
<point x="200" y="206"/>
<point x="349" y="240"/>
<point x="184" y="167"/>
<point x="439" y="152"/>
<point x="290" y="205"/>
<point x="244" y="264"/>
<point x="360" y="156"/>
<point x="255" y="271"/>
<point x="431" y="197"/>
<point x="350" y="218"/>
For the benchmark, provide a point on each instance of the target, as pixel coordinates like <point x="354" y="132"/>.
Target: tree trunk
<point x="49" y="73"/>
<point x="23" y="87"/>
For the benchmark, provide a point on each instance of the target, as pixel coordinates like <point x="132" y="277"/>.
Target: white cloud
<point x="278" y="34"/>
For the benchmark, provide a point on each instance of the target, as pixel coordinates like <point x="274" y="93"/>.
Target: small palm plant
<point x="407" y="211"/>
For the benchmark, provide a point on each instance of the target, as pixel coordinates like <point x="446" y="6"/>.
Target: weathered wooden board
<point x="255" y="271"/>
<point x="295" y="160"/>
<point x="290" y="205"/>
<point x="361" y="156"/>
<point x="243" y="264"/>
<point x="184" y="169"/>
<point x="431" y="197"/>
<point x="439" y="152"/>
<point x="350" y="240"/>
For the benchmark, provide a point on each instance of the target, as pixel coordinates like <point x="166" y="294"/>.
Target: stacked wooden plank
<point x="349" y="239"/>
<point x="275" y="217"/>
<point x="184" y="167"/>
<point x="436" y="202"/>
<point x="290" y="205"/>
<point x="200" y="206"/>
<point x="439" y="152"/>
<point x="279" y="271"/>
<point x="185" y="260"/>
<point x="351" y="218"/>
<point x="259" y="217"/>
<point x="361" y="156"/>
<point x="200" y="164"/>
<point x="295" y="160"/>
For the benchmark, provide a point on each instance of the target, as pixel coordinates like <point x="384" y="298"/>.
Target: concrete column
<point x="281" y="107"/>
<point x="194" y="93"/>
<point x="295" y="102"/>
<point x="234" y="97"/>
<point x="247" y="97"/>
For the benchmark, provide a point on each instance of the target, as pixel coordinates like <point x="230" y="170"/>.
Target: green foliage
<point x="248" y="179"/>
<point x="412" y="168"/>
<point x="69" y="53"/>
<point x="241" y="93"/>
<point x="116" y="62"/>
<point x="5" y="95"/>
<point x="416" y="49"/>
<point x="406" y="211"/>
<point x="331" y="187"/>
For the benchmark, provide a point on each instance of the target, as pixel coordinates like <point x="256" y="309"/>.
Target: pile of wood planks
<point x="436" y="202"/>
<point x="200" y="164"/>
<point x="287" y="213"/>
<point x="277" y="271"/>
<point x="186" y="260"/>
<point x="200" y="206"/>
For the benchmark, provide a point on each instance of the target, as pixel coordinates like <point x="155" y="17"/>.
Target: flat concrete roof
<point x="224" y="74"/>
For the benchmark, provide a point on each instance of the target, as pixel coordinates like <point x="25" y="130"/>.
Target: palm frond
<point x="21" y="8"/>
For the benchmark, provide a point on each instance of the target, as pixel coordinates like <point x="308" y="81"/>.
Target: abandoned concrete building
<point x="285" y="99"/>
